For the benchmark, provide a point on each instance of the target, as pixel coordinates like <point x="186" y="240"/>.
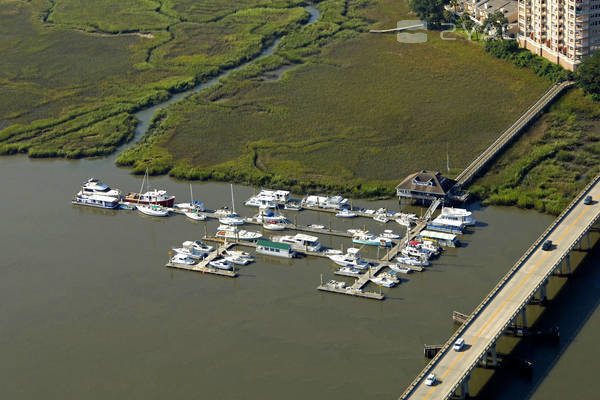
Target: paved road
<point x="491" y="320"/>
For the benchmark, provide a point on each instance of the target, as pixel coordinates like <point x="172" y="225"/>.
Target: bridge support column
<point x="568" y="263"/>
<point x="589" y="240"/>
<point x="464" y="388"/>
<point x="524" y="317"/>
<point x="543" y="292"/>
<point x="494" y="355"/>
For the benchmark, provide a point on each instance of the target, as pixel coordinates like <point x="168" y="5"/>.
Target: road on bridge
<point x="451" y="367"/>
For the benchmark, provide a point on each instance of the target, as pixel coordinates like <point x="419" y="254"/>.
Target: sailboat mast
<point x="142" y="188"/>
<point x="232" y="200"/>
<point x="191" y="195"/>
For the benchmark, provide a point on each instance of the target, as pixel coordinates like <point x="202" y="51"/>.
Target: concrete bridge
<point x="505" y="304"/>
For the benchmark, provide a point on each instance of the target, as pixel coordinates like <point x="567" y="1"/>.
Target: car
<point x="459" y="344"/>
<point x="547" y="246"/>
<point x="588" y="200"/>
<point x="431" y="380"/>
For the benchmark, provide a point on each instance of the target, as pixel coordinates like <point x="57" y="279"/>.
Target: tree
<point x="431" y="11"/>
<point x="496" y="21"/>
<point x="588" y="75"/>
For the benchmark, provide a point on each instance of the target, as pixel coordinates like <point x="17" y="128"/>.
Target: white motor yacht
<point x="389" y="234"/>
<point x="93" y="186"/>
<point x="381" y="218"/>
<point x="370" y="239"/>
<point x="352" y="258"/>
<point x="237" y="260"/>
<point x="403" y="269"/>
<point x="350" y="271"/>
<point x="345" y="213"/>
<point x="189" y="252"/>
<point x="232" y="219"/>
<point x="197" y="245"/>
<point x="459" y="214"/>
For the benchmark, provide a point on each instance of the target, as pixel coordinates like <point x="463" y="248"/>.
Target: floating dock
<point x="203" y="266"/>
<point x="351" y="291"/>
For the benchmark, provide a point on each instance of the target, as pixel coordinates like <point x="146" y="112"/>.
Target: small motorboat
<point x="381" y="218"/>
<point x="182" y="259"/>
<point x="189" y="252"/>
<point x="370" y="239"/>
<point x="333" y="252"/>
<point x="417" y="262"/>
<point x="316" y="226"/>
<point x="383" y="281"/>
<point x="389" y="234"/>
<point x="232" y="219"/>
<point x="195" y="215"/>
<point x="198" y="246"/>
<point x="221" y="264"/>
<point x="335" y="284"/>
<point x="126" y="206"/>
<point x="274" y="226"/>
<point x="350" y="271"/>
<point x="153" y="210"/>
<point x="238" y="253"/>
<point x="237" y="260"/>
<point x="292" y="207"/>
<point x="232" y="232"/>
<point x="345" y="213"/>
<point x="403" y="269"/>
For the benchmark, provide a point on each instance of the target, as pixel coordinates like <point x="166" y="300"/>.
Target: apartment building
<point x="563" y="31"/>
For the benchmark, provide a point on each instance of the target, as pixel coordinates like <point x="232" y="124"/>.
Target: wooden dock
<point x="305" y="228"/>
<point x="351" y="291"/>
<point x="203" y="266"/>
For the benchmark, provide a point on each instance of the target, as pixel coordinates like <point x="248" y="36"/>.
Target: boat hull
<point x="107" y="206"/>
<point x="168" y="202"/>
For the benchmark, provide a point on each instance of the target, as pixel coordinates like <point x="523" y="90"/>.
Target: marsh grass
<point x="551" y="162"/>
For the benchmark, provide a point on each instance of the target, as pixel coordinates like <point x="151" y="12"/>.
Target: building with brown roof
<point x="425" y="185"/>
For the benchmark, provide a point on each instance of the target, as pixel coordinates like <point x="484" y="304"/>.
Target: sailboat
<point x="154" y="210"/>
<point x="195" y="208"/>
<point x="232" y="218"/>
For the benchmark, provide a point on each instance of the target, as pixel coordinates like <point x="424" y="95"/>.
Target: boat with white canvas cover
<point x="237" y="260"/>
<point x="198" y="245"/>
<point x="352" y="258"/>
<point x="267" y="215"/>
<point x="232" y="232"/>
<point x="300" y="242"/>
<point x="292" y="207"/>
<point x="238" y="253"/>
<point x="350" y="271"/>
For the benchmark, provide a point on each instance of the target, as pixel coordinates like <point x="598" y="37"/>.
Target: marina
<point x="204" y="267"/>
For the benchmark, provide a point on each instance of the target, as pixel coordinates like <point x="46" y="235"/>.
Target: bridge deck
<point x="497" y="311"/>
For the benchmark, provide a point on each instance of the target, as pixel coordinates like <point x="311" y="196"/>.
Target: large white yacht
<point x="95" y="186"/>
<point x="333" y="202"/>
<point x="352" y="258"/>
<point x="458" y="214"/>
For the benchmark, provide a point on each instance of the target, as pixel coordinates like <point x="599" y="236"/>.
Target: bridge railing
<point x="494" y="291"/>
<point x="515" y="128"/>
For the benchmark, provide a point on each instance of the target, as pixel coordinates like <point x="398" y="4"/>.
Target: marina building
<point x="425" y="186"/>
<point x="562" y="31"/>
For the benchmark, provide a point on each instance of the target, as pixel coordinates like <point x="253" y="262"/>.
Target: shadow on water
<point x="570" y="309"/>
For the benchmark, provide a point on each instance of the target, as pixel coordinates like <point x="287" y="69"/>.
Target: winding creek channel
<point x="88" y="310"/>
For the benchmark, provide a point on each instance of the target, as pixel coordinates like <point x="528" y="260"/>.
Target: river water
<point x="88" y="310"/>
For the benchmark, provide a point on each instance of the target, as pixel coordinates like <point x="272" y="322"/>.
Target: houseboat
<point x="333" y="202"/>
<point x="95" y="200"/>
<point x="439" y="238"/>
<point x="458" y="214"/>
<point x="232" y="232"/>
<point x="276" y="249"/>
<point x="441" y="224"/>
<point x="300" y="242"/>
<point x="268" y="198"/>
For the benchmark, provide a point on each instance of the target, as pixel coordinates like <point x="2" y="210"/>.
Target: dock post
<point x="321" y="279"/>
<point x="329" y="222"/>
<point x="295" y="220"/>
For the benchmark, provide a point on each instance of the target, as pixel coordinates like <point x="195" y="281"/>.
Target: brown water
<point x="88" y="310"/>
